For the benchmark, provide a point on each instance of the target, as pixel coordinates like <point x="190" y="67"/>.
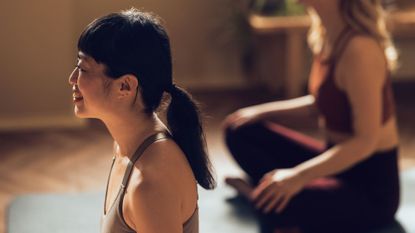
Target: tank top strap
<point x="341" y="44"/>
<point x="140" y="150"/>
<point x="108" y="181"/>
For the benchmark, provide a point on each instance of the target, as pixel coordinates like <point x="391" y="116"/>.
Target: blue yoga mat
<point x="219" y="213"/>
<point x="80" y="213"/>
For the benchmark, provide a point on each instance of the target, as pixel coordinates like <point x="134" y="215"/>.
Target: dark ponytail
<point x="183" y="117"/>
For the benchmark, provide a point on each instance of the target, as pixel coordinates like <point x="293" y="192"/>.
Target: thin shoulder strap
<point x="140" y="150"/>
<point x="342" y="43"/>
<point x="108" y="182"/>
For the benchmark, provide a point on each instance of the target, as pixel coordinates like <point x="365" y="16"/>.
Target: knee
<point x="236" y="137"/>
<point x="232" y="137"/>
<point x="241" y="139"/>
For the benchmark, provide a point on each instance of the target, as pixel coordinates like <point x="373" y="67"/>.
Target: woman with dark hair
<point x="124" y="67"/>
<point x="349" y="183"/>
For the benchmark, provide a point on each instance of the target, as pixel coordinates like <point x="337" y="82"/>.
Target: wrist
<point x="303" y="174"/>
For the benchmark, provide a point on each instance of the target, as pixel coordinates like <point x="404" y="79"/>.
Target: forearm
<point x="297" y="106"/>
<point x="337" y="159"/>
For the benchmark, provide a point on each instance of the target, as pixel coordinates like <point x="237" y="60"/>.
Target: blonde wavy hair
<point x="364" y="16"/>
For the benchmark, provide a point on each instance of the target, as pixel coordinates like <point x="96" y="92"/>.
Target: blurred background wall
<point x="36" y="45"/>
<point x="38" y="51"/>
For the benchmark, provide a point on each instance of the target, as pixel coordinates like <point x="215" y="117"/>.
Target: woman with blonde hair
<point x="350" y="182"/>
<point x="123" y="71"/>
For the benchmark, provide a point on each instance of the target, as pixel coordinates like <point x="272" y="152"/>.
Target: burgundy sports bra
<point x="333" y="103"/>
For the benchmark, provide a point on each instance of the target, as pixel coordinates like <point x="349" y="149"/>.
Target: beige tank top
<point x="113" y="221"/>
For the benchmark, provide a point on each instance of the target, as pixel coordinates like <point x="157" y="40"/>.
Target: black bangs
<point x="100" y="40"/>
<point x="128" y="42"/>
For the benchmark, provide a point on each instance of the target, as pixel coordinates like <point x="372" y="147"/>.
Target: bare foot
<point x="241" y="185"/>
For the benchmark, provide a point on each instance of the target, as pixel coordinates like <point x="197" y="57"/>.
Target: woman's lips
<point x="76" y="97"/>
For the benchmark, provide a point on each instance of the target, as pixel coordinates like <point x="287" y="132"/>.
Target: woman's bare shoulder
<point x="152" y="193"/>
<point x="363" y="57"/>
<point x="362" y="48"/>
<point x="159" y="164"/>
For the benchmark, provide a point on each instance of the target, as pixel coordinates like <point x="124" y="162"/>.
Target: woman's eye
<point x="79" y="68"/>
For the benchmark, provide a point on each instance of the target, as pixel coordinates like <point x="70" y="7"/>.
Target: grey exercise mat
<point x="219" y="213"/>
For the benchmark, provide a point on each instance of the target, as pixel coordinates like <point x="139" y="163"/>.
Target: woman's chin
<point x="81" y="116"/>
<point x="80" y="113"/>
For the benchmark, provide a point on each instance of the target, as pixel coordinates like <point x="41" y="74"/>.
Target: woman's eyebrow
<point x="83" y="56"/>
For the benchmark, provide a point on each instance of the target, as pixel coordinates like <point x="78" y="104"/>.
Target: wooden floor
<point x="65" y="160"/>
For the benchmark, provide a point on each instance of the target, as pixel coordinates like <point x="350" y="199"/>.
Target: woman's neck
<point x="130" y="130"/>
<point x="332" y="21"/>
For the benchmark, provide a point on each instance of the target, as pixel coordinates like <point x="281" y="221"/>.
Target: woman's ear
<point x="127" y="86"/>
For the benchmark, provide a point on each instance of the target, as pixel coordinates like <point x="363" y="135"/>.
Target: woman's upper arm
<point x="362" y="74"/>
<point x="155" y="206"/>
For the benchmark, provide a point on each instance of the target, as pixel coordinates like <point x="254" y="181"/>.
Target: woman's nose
<point x="73" y="77"/>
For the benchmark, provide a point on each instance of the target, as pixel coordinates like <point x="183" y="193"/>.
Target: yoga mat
<point x="220" y="212"/>
<point x="80" y="213"/>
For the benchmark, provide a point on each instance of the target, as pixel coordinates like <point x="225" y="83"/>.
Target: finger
<point x="243" y="120"/>
<point x="229" y="120"/>
<point x="284" y="202"/>
<point x="259" y="189"/>
<point x="273" y="202"/>
<point x="267" y="175"/>
<point x="241" y="185"/>
<point x="238" y="122"/>
<point x="264" y="197"/>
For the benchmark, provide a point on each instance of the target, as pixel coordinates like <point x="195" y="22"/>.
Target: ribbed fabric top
<point x="113" y="221"/>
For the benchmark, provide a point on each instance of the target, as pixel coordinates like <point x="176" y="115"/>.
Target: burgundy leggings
<point x="362" y="198"/>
